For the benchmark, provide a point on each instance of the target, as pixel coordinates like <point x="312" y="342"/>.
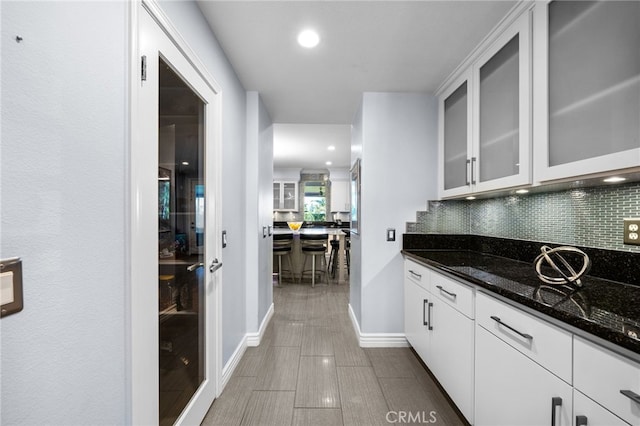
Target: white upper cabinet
<point x="485" y="133"/>
<point x="587" y="87"/>
<point x="285" y="196"/>
<point x="340" y="196"/>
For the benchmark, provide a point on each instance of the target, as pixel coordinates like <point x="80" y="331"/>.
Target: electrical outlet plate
<point x="632" y="231"/>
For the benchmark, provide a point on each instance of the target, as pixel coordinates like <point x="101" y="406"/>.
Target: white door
<point x="175" y="254"/>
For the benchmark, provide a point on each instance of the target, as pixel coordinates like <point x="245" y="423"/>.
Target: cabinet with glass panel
<point x="285" y="196"/>
<point x="485" y="135"/>
<point x="587" y="82"/>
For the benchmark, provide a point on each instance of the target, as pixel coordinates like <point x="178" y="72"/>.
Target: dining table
<point x="332" y="233"/>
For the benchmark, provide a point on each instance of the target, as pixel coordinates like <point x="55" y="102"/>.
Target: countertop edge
<point x="631" y="350"/>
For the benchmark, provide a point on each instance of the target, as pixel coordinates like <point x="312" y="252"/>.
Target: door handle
<point x="215" y="265"/>
<point x="195" y="266"/>
<point x="631" y="395"/>
<point x="425" y="321"/>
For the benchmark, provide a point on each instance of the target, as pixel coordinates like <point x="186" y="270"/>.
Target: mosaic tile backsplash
<point x="590" y="217"/>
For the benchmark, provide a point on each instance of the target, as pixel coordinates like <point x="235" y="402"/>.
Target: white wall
<point x="187" y="18"/>
<point x="259" y="192"/>
<point x="63" y="203"/>
<point x="399" y="154"/>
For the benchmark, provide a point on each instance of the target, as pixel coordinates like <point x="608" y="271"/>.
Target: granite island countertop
<point x="607" y="309"/>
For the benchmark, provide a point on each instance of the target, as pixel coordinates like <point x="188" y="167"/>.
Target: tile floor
<point x="309" y="370"/>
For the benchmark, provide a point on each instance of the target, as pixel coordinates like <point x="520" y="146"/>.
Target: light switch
<point x="391" y="234"/>
<point x="10" y="286"/>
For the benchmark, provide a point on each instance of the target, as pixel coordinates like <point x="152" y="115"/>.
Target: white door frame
<point x="142" y="262"/>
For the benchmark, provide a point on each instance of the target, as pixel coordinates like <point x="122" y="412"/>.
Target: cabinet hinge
<point x="143" y="75"/>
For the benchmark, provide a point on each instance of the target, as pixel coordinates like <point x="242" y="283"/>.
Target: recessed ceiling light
<point x="470" y="198"/>
<point x="614" y="179"/>
<point x="522" y="191"/>
<point x="185" y="163"/>
<point x="308" y="39"/>
<point x="328" y="163"/>
<point x="331" y="148"/>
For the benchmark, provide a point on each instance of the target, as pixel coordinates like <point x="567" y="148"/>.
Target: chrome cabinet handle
<point x="415" y="274"/>
<point x="631" y="395"/>
<point x="581" y="421"/>
<point x="425" y="321"/>
<point x="439" y="287"/>
<point x="429" y="315"/>
<point x="215" y="265"/>
<point x="468" y="168"/>
<point x="473" y="178"/>
<point x="499" y="321"/>
<point x="556" y="402"/>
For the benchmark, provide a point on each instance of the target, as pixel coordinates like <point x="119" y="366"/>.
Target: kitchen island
<point x="297" y="258"/>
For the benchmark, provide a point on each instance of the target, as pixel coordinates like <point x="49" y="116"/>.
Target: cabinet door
<point x="587" y="77"/>
<point x="416" y="312"/>
<point x="455" y="138"/>
<point x="277" y="196"/>
<point x="588" y="413"/>
<point x="501" y="154"/>
<point x="340" y="192"/>
<point x="452" y="348"/>
<point x="511" y="389"/>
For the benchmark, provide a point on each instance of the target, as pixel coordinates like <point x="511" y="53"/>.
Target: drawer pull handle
<point x="499" y="321"/>
<point x="631" y="395"/>
<point x="429" y="316"/>
<point x="556" y="402"/>
<point x="425" y="320"/>
<point x="415" y="274"/>
<point x="439" y="287"/>
<point x="581" y="421"/>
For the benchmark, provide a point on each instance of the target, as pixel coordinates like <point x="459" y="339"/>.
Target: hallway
<point x="309" y="370"/>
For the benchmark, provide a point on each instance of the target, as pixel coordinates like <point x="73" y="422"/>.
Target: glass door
<point x="175" y="172"/>
<point x="181" y="229"/>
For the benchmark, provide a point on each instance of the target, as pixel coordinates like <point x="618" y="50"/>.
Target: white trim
<point x="232" y="364"/>
<point x="254" y="339"/>
<point x="377" y="340"/>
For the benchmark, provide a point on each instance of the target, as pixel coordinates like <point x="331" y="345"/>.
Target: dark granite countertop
<point x="607" y="309"/>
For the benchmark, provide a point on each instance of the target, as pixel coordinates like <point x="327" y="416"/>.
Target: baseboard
<point x="377" y="340"/>
<point x="231" y="365"/>
<point x="254" y="339"/>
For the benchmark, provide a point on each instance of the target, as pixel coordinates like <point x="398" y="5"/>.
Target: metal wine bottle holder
<point x="566" y="273"/>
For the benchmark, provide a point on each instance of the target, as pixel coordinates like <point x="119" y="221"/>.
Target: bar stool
<point x="313" y="245"/>
<point x="282" y="245"/>
<point x="333" y="256"/>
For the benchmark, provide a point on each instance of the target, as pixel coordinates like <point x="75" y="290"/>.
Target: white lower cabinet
<point x="503" y="366"/>
<point x="511" y="389"/>
<point x="589" y="413"/>
<point x="451" y="359"/>
<point x="416" y="300"/>
<point x="440" y="334"/>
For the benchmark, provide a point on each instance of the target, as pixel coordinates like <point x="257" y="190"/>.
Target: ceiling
<point x="365" y="46"/>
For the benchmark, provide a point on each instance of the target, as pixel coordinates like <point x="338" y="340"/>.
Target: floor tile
<point x="287" y="333"/>
<point x="317" y="385"/>
<point x="269" y="409"/>
<point x="229" y="408"/>
<point x="362" y="399"/>
<point x="279" y="371"/>
<point x="392" y="362"/>
<point x="317" y="417"/>
<point x="317" y="341"/>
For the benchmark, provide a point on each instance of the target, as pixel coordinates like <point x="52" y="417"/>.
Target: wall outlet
<point x="632" y="231"/>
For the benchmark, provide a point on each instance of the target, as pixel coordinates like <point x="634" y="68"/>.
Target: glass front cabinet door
<point x="285" y="196"/>
<point x="587" y="79"/>
<point x="485" y="137"/>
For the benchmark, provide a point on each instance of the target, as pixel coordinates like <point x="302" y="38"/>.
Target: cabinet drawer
<point x="586" y="410"/>
<point x="417" y="273"/>
<point x="544" y="343"/>
<point x="454" y="293"/>
<point x="601" y="374"/>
